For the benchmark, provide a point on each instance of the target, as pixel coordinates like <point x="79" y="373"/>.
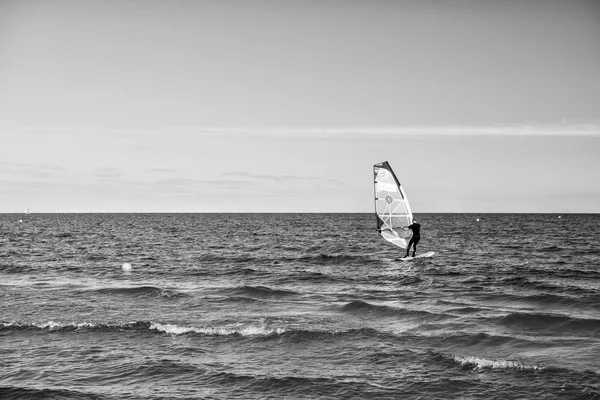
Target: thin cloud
<point x="178" y="182"/>
<point x="162" y="170"/>
<point x="283" y="178"/>
<point x="34" y="171"/>
<point x="563" y="128"/>
<point x="185" y="184"/>
<point x="108" y="174"/>
<point x="16" y="166"/>
<point x="585" y="195"/>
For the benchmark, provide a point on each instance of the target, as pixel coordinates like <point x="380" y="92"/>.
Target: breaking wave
<point x="249" y="330"/>
<point x="477" y="363"/>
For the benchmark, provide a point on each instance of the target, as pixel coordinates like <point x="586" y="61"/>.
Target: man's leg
<point x="415" y="245"/>
<point x="408" y="247"/>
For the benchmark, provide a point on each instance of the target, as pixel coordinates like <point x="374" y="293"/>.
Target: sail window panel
<point x="385" y="186"/>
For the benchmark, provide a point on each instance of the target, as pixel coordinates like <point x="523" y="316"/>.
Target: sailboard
<point x="26" y="212"/>
<point x="392" y="208"/>
<point x="424" y="255"/>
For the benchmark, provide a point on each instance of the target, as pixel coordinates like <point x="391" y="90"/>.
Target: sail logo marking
<point x="389" y="199"/>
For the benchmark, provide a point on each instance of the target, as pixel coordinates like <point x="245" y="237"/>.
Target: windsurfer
<point x="416" y="236"/>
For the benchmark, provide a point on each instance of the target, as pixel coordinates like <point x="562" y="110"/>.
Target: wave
<point x="587" y="378"/>
<point x="226" y="259"/>
<point x="466" y="310"/>
<point x="563" y="287"/>
<point x="261" y="330"/>
<point x="285" y="386"/>
<point x="142" y="291"/>
<point x="240" y="271"/>
<point x="550" y="323"/>
<point x="243" y="258"/>
<point x="551" y="249"/>
<point x="516" y="280"/>
<point x="361" y="307"/>
<point x="16" y="392"/>
<point x="233" y="271"/>
<point x="258" y="330"/>
<point x="54" y="326"/>
<point x="319" y="259"/>
<point x="584" y="272"/>
<point x="293" y="278"/>
<point x="324" y="259"/>
<point x="547" y="299"/>
<point x="250" y="330"/>
<point x="467" y="337"/>
<point x="316" y="277"/>
<point x="237" y="299"/>
<point x="477" y="363"/>
<point x="17" y="269"/>
<point x="260" y="292"/>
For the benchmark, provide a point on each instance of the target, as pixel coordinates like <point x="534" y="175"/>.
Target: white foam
<point x="217" y="331"/>
<point x="85" y="325"/>
<point x="480" y="363"/>
<point x="54" y="325"/>
<point x="49" y="324"/>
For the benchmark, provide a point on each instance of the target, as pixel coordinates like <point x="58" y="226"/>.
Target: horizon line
<point x="292" y="212"/>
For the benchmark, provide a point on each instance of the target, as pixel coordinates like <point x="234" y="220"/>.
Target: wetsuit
<point x="416" y="228"/>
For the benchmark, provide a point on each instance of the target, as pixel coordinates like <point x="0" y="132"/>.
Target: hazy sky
<point x="225" y="106"/>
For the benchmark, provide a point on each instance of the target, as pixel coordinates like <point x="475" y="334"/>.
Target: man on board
<point x="416" y="236"/>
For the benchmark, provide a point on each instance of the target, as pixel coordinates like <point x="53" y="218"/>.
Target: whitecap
<point x="217" y="331"/>
<point x="481" y="363"/>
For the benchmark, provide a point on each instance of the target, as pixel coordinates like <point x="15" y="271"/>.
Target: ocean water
<point x="298" y="306"/>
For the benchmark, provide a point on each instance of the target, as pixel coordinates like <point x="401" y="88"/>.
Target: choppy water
<point x="298" y="306"/>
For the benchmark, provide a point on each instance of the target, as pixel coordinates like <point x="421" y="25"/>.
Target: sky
<point x="284" y="106"/>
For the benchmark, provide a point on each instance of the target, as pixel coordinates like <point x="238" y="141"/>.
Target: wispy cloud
<point x="162" y="170"/>
<point x="559" y="129"/>
<point x="562" y="128"/>
<point x="11" y="165"/>
<point x="194" y="185"/>
<point x="34" y="171"/>
<point x="283" y="178"/>
<point x="108" y="174"/>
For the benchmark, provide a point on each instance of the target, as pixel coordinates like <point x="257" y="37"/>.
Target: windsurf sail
<point x="391" y="206"/>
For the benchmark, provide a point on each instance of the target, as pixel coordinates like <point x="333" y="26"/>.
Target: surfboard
<point x="424" y="255"/>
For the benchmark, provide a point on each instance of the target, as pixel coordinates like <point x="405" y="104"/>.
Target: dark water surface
<point x="298" y="306"/>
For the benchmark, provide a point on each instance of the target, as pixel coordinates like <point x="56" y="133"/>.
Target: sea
<point x="298" y="306"/>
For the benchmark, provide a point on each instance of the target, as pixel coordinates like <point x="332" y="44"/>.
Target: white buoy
<point x="477" y="219"/>
<point x="126" y="267"/>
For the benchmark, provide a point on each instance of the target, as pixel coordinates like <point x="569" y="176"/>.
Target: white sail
<point x="391" y="206"/>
